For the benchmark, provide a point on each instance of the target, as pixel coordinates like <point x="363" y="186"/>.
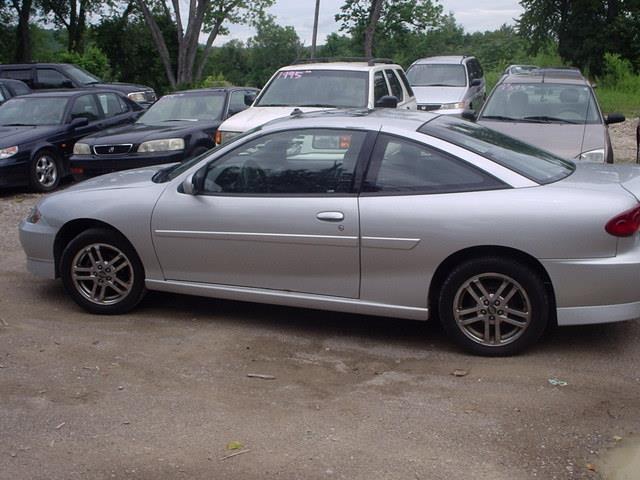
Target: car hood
<point x="122" y="87"/>
<point x="564" y="140"/>
<point x="439" y="94"/>
<point x="11" y="136"/>
<point x="139" y="132"/>
<point x="256" y="116"/>
<point x="136" y="178"/>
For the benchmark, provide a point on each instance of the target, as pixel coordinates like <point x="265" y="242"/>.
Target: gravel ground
<point x="159" y="393"/>
<point x="623" y="139"/>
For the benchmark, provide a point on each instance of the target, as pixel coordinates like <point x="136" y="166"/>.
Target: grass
<point x="621" y="101"/>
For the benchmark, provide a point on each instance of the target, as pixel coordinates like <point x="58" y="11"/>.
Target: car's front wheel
<point x="494" y="306"/>
<point x="45" y="171"/>
<point x="102" y="272"/>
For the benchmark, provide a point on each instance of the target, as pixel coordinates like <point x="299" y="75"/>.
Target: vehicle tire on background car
<point x="45" y="171"/>
<point x="102" y="272"/>
<point x="493" y="306"/>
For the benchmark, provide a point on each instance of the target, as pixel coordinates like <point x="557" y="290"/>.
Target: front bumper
<point x="87" y="166"/>
<point x="37" y="242"/>
<point x="14" y="171"/>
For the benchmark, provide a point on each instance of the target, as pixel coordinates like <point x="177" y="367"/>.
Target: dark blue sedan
<point x="38" y="132"/>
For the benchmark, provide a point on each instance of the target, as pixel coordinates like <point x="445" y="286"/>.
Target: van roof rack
<point x="371" y="61"/>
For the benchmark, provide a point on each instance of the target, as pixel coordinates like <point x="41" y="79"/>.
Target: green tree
<point x="366" y="19"/>
<point x="272" y="47"/>
<point x="73" y="16"/>
<point x="231" y="60"/>
<point x="93" y="60"/>
<point x="202" y="16"/>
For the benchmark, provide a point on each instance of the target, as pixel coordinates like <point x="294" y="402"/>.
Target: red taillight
<point x="625" y="224"/>
<point x="77" y="170"/>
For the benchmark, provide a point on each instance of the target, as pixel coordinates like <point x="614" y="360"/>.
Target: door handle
<point x="330" y="216"/>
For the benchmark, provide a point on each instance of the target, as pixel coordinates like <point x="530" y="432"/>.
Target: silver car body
<point x="382" y="257"/>
<point x="451" y="100"/>
<point x="563" y="139"/>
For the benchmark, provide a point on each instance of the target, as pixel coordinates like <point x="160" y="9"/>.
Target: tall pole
<point x="315" y="30"/>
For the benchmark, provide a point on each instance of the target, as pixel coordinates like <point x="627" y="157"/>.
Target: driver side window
<point x="314" y="162"/>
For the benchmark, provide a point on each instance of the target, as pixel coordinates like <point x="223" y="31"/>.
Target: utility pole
<point x="315" y="30"/>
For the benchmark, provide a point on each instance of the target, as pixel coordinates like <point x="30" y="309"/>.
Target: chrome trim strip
<point x="291" y="299"/>
<point x="335" y="240"/>
<point x="390" y="243"/>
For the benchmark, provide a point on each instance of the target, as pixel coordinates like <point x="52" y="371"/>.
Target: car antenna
<point x="296" y="112"/>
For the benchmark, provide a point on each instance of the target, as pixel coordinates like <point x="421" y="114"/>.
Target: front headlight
<point x="452" y="106"/>
<point x="225" y="136"/>
<point x="8" y="152"/>
<point x="81" y="149"/>
<point x="596" y="156"/>
<point x="165" y="145"/>
<point x="137" y="97"/>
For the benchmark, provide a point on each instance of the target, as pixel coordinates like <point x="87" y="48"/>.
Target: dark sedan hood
<point x="122" y="87"/>
<point x="139" y="132"/>
<point x="11" y="136"/>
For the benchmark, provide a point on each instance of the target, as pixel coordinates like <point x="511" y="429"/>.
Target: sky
<point x="473" y="15"/>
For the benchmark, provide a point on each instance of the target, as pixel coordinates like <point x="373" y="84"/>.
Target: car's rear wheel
<point x="494" y="306"/>
<point x="45" y="171"/>
<point x="102" y="272"/>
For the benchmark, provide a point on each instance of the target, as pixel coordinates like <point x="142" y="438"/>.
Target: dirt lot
<point x="160" y="393"/>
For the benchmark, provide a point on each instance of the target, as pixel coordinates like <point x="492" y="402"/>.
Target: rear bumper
<point x="598" y="290"/>
<point x="87" y="166"/>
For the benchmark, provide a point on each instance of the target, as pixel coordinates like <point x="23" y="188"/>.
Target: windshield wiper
<point x="437" y="85"/>
<point x="501" y="118"/>
<point x="92" y="83"/>
<point x="547" y="119"/>
<point x="326" y="105"/>
<point x="274" y="105"/>
<point x="18" y="125"/>
<point x="181" y="120"/>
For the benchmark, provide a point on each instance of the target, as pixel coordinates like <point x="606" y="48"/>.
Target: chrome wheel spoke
<point x="492" y="309"/>
<point x="102" y="274"/>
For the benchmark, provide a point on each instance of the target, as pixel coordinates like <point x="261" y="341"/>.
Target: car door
<point x="277" y="212"/>
<point x="236" y="102"/>
<point x="411" y="197"/>
<point x="49" y="78"/>
<point x="83" y="106"/>
<point x="23" y="74"/>
<point x="115" y="111"/>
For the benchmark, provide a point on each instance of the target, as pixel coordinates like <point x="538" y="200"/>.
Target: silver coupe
<point x="399" y="214"/>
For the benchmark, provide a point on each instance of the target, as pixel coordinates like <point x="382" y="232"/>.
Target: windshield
<point x="316" y="88"/>
<point x="172" y="171"/>
<point x="80" y="75"/>
<point x="434" y="75"/>
<point x="192" y="107"/>
<point x="542" y="103"/>
<point x="529" y="161"/>
<point x="33" y="111"/>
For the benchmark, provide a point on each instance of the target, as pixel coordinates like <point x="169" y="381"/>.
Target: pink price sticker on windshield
<point x="293" y="74"/>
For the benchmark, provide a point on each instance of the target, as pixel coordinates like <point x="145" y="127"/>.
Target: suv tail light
<point x="625" y="224"/>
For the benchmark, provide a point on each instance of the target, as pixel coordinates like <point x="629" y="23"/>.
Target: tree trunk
<point x="23" y="35"/>
<point x="158" y="40"/>
<point x="369" y="33"/>
<point x="207" y="51"/>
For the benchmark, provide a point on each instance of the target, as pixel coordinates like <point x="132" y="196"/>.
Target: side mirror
<point x="194" y="184"/>
<point x="476" y="82"/>
<point x="78" y="122"/>
<point x="469" y="114"/>
<point x="614" y="118"/>
<point x="388" y="101"/>
<point x="249" y="98"/>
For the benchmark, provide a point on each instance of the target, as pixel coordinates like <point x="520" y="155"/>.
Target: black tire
<point x="462" y="291"/>
<point x="122" y="287"/>
<point x="45" y="171"/>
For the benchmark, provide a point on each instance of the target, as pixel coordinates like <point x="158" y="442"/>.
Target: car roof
<point x="213" y="90"/>
<point x="74" y="92"/>
<point x="545" y="76"/>
<point x="33" y="64"/>
<point x="451" y="59"/>
<point x="409" y="120"/>
<point x="351" y="66"/>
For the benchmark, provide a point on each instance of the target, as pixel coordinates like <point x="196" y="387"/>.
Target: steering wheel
<point x="253" y="178"/>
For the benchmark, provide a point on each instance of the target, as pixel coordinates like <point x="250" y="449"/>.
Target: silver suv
<point x="449" y="85"/>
